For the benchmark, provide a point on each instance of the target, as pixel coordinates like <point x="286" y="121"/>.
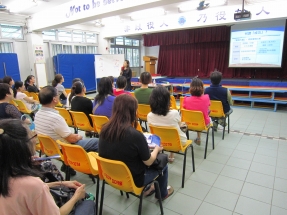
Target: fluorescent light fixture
<point x="147" y="13"/>
<point x="192" y="5"/>
<point x="21" y="5"/>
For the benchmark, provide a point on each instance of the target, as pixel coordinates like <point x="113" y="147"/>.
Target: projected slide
<point x="257" y="46"/>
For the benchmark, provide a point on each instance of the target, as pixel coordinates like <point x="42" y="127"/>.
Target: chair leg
<point x="207" y="134"/>
<point x="160" y="199"/>
<point x="183" y="169"/>
<point x="93" y="178"/>
<point x="228" y="123"/>
<point x="102" y="198"/>
<point x="40" y="153"/>
<point x="121" y="193"/>
<point x="140" y="204"/>
<point x="212" y="137"/>
<point x="97" y="193"/>
<point x="145" y="126"/>
<point x="75" y="130"/>
<point x="224" y="128"/>
<point x="127" y="195"/>
<point x="68" y="176"/>
<point x="192" y="156"/>
<point x="187" y="134"/>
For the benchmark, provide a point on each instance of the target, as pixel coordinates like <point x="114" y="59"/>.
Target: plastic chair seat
<point x="94" y="164"/>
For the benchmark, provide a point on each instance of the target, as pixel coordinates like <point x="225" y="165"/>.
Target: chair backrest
<point x="68" y="90"/>
<point x="117" y="175"/>
<point x="81" y="121"/>
<point x="12" y="102"/>
<point x="172" y="102"/>
<point x="98" y="122"/>
<point x="27" y="93"/>
<point x="49" y="146"/>
<point x="132" y="94"/>
<point x="143" y="111"/>
<point x="169" y="137"/>
<point x="139" y="128"/>
<point x="216" y="109"/>
<point x="22" y="107"/>
<point x="77" y="158"/>
<point x="66" y="115"/>
<point x="181" y="102"/>
<point x="35" y="96"/>
<point x="193" y="119"/>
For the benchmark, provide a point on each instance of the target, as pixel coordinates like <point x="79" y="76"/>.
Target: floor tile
<point x="282" y="155"/>
<point x="262" y="168"/>
<point x="246" y="148"/>
<point x="282" y="163"/>
<point x="264" y="159"/>
<point x="280" y="185"/>
<point x="251" y="207"/>
<point x="228" y="184"/>
<point x="211" y="166"/>
<point x="223" y="151"/>
<point x="169" y="212"/>
<point x="204" y="177"/>
<point x="281" y="173"/>
<point x="266" y="152"/>
<point x="234" y="172"/>
<point x="207" y="208"/>
<point x="228" y="144"/>
<point x="147" y="208"/>
<point x="240" y="163"/>
<point x="243" y="155"/>
<point x="279" y="199"/>
<point x="221" y="198"/>
<point x="257" y="192"/>
<point x="109" y="211"/>
<point x="260" y="179"/>
<point x="278" y="211"/>
<point x="218" y="158"/>
<point x="268" y="145"/>
<point x="195" y="189"/>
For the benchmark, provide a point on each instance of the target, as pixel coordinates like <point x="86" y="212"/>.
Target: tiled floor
<point x="245" y="174"/>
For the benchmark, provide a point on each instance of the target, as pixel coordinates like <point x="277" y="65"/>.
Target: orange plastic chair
<point x="181" y="102"/>
<point x="139" y="128"/>
<point x="142" y="112"/>
<point x="35" y="96"/>
<point x="98" y="122"/>
<point x="68" y="90"/>
<point x="132" y="94"/>
<point x="78" y="159"/>
<point x="216" y="110"/>
<point x="12" y="102"/>
<point x="173" y="103"/>
<point x="22" y="107"/>
<point x="27" y="93"/>
<point x="195" y="122"/>
<point x="170" y="141"/>
<point x="118" y="175"/>
<point x="68" y="118"/>
<point x="82" y="122"/>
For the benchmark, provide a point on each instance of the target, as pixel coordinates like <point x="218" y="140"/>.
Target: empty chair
<point x="98" y="122"/>
<point x="82" y="122"/>
<point x="142" y="112"/>
<point x="68" y="118"/>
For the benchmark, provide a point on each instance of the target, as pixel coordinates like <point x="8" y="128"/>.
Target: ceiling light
<point x="21" y="5"/>
<point x="147" y="13"/>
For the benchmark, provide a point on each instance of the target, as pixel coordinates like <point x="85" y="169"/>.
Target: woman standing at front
<point x="127" y="73"/>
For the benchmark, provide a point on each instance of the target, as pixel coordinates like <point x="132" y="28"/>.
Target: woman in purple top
<point x="103" y="103"/>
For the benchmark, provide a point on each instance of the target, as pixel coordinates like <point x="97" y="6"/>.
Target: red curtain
<point x="199" y="51"/>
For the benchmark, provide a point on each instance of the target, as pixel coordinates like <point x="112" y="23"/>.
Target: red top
<point x="117" y="93"/>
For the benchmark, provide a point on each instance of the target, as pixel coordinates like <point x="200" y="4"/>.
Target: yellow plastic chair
<point x="132" y="94"/>
<point x="139" y="128"/>
<point x="173" y="103"/>
<point x="22" y="107"/>
<point x="12" y="102"/>
<point x="195" y="122"/>
<point x="68" y="90"/>
<point x="170" y="141"/>
<point x="216" y="110"/>
<point x="35" y="96"/>
<point x="59" y="104"/>
<point x="82" y="122"/>
<point x="68" y="118"/>
<point x="142" y="112"/>
<point x="78" y="159"/>
<point x="181" y="102"/>
<point x="27" y="93"/>
<point x="118" y="175"/>
<point x="98" y="122"/>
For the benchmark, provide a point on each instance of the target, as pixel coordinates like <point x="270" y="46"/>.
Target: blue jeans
<point x="151" y="173"/>
<point x="90" y="145"/>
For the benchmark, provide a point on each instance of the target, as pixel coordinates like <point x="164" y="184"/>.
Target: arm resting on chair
<point x="153" y="155"/>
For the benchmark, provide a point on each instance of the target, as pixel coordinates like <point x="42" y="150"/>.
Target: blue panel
<point x="11" y="63"/>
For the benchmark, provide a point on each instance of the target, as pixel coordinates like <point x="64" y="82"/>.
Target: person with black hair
<point x="104" y="100"/>
<point x="162" y="115"/>
<point x="8" y="80"/>
<point x="30" y="84"/>
<point x="142" y="94"/>
<point x="21" y="190"/>
<point x="57" y="83"/>
<point x="219" y="93"/>
<point x="121" y="84"/>
<point x="1" y="80"/>
<point x="72" y="94"/>
<point x="127" y="73"/>
<point x="18" y="94"/>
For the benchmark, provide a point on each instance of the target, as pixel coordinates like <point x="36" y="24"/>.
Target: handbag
<point x="160" y="162"/>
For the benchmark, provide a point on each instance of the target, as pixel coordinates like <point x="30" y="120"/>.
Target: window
<point x="56" y="49"/>
<point x="6" y="48"/>
<point x="11" y="31"/>
<point x="49" y="35"/>
<point x="91" y="38"/>
<point x="128" y="42"/>
<point x="119" y="41"/>
<point x="65" y="36"/>
<point x="136" y="43"/>
<point x="91" y="50"/>
<point x="80" y="49"/>
<point x="67" y="49"/>
<point x="78" y="36"/>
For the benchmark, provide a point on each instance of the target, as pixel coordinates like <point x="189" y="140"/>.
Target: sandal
<point x="197" y="141"/>
<point x="170" y="160"/>
<point x="170" y="191"/>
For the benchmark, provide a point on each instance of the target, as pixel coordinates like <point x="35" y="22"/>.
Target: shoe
<point x="222" y="123"/>
<point x="88" y="133"/>
<point x="170" y="191"/>
<point x="72" y="171"/>
<point x="170" y="160"/>
<point x="197" y="141"/>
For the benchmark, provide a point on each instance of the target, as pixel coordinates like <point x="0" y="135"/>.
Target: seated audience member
<point x="19" y="88"/>
<point x="142" y="94"/>
<point x="30" y="84"/>
<point x="8" y="80"/>
<point x="71" y="95"/>
<point x="219" y="93"/>
<point x="8" y="110"/>
<point x="49" y="122"/>
<point x="121" y="85"/>
<point x="21" y="190"/>
<point x="104" y="100"/>
<point x="198" y="102"/>
<point x="80" y="103"/>
<point x="161" y="115"/>
<point x="1" y="80"/>
<point x="57" y="83"/>
<point x="119" y="140"/>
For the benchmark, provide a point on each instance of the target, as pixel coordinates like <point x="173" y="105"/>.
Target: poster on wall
<point x="39" y="54"/>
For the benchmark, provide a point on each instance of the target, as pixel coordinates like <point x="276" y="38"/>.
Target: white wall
<point x="21" y="49"/>
<point x="151" y="51"/>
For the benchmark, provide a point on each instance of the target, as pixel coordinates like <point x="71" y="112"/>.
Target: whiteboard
<point x="41" y="75"/>
<point x="108" y="65"/>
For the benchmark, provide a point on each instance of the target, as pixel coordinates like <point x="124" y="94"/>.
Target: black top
<point x="32" y="89"/>
<point x="9" y="111"/>
<point x="132" y="150"/>
<point x="128" y="74"/>
<point x="82" y="104"/>
<point x="219" y="93"/>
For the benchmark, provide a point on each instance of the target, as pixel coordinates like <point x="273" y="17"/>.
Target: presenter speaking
<point x="127" y="72"/>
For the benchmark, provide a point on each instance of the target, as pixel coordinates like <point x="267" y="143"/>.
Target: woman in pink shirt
<point x="121" y="85"/>
<point x="198" y="102"/>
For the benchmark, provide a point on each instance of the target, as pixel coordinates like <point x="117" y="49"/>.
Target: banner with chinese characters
<point x="39" y="54"/>
<point x="212" y="16"/>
